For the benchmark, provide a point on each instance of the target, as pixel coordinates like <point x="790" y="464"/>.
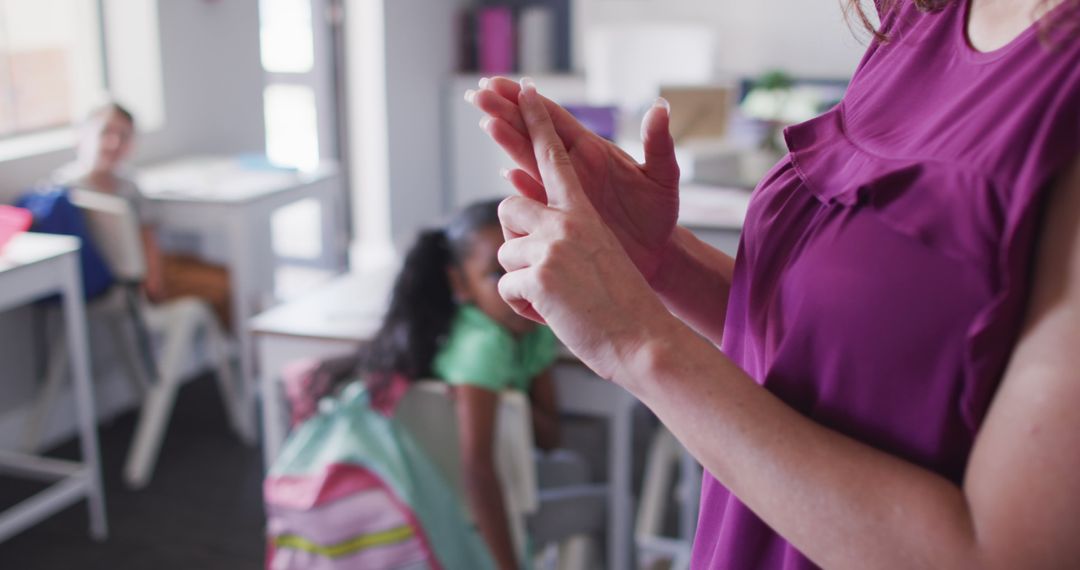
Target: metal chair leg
<point x="575" y="552"/>
<point x="149" y="435"/>
<point x="136" y="372"/>
<point x="227" y="381"/>
<point x="157" y="409"/>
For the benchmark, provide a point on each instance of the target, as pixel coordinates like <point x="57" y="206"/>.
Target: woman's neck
<point x="993" y="24"/>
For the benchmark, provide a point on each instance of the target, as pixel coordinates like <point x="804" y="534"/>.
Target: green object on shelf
<point x="775" y="79"/>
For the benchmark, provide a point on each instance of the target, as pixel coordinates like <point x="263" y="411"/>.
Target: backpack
<point x="352" y="489"/>
<point x="54" y="213"/>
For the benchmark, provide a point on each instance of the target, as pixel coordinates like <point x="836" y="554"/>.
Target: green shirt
<point x="479" y="352"/>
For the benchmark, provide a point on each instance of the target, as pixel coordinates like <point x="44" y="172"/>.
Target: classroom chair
<point x="428" y="411"/>
<point x="666" y="457"/>
<point x="178" y="324"/>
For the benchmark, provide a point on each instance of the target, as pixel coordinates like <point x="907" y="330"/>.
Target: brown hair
<point x="855" y="11"/>
<point x="113" y="107"/>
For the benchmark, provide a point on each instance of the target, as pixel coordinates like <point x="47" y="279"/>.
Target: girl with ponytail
<point x="447" y="321"/>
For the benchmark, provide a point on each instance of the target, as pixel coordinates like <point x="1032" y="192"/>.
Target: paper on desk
<point x="213" y="178"/>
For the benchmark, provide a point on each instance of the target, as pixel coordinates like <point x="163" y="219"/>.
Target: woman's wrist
<point x="672" y="256"/>
<point x="644" y="356"/>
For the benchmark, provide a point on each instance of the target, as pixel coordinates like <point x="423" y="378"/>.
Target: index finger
<point x="556" y="171"/>
<point x="566" y="124"/>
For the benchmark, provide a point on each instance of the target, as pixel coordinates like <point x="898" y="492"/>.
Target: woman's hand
<point x="566" y="266"/>
<point x="639" y="202"/>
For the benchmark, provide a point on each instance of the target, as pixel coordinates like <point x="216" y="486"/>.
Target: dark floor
<point x="201" y="511"/>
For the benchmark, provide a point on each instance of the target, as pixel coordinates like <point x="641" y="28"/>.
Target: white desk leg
<point x="273" y="420"/>
<point x="331" y="228"/>
<point x="620" y="477"/>
<point x="242" y="257"/>
<point x="75" y="323"/>
<point x="273" y="416"/>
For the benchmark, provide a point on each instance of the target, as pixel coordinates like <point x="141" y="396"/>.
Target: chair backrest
<point x="115" y="230"/>
<point x="428" y="411"/>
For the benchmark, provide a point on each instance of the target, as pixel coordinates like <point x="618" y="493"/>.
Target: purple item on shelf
<point x="600" y="120"/>
<point x="495" y="40"/>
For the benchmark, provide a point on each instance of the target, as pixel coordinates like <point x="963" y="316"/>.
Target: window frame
<point x="49" y="137"/>
<point x="141" y="86"/>
<point x="320" y="78"/>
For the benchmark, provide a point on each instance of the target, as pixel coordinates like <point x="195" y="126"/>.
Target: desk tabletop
<point x="222" y="179"/>
<point x="30" y="248"/>
<point x="712" y="207"/>
<point x="347" y="308"/>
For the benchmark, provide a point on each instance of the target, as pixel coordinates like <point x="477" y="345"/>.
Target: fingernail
<point x="505" y="173"/>
<point x="485" y="122"/>
<point x="663" y="104"/>
<point x="484" y="82"/>
<point x="527" y="84"/>
<point x="470" y="95"/>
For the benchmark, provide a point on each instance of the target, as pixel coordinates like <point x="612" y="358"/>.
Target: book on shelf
<point x="510" y="36"/>
<point x="495" y="40"/>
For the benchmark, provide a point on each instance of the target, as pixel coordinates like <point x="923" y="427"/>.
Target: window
<point x="51" y="67"/>
<point x="288" y="57"/>
<point x="298" y="106"/>
<point x="286" y="35"/>
<point x="292" y="129"/>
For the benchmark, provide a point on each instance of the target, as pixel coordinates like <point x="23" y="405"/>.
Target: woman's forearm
<point x="694" y="281"/>
<point x="842" y="503"/>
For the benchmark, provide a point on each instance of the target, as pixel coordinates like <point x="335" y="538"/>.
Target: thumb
<point x="660" y="164"/>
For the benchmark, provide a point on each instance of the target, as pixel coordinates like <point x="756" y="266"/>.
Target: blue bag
<point x="55" y="214"/>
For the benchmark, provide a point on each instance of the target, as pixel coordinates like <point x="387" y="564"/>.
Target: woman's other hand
<point x="639" y="202"/>
<point x="566" y="266"/>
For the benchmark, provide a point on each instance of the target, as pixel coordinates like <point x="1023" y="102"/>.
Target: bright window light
<point x="286" y="36"/>
<point x="51" y="70"/>
<point x="292" y="126"/>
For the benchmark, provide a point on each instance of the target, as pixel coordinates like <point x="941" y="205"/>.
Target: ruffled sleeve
<point x="480" y="353"/>
<point x="539" y="349"/>
<point x="477" y="353"/>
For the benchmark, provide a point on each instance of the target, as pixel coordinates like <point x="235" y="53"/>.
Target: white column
<point x="368" y="131"/>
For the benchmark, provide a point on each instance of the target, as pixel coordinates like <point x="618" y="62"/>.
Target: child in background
<point x="106" y="141"/>
<point x="446" y="320"/>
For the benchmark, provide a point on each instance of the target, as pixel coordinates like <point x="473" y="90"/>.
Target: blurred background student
<point x="106" y="140"/>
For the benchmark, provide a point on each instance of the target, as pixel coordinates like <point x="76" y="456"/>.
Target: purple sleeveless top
<point x="885" y="262"/>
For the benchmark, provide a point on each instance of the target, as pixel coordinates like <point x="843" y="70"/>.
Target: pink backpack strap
<point x="303" y="388"/>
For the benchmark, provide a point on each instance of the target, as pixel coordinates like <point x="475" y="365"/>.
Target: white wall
<point x="213" y="101"/>
<point x="421" y="57"/>
<point x="805" y="37"/>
